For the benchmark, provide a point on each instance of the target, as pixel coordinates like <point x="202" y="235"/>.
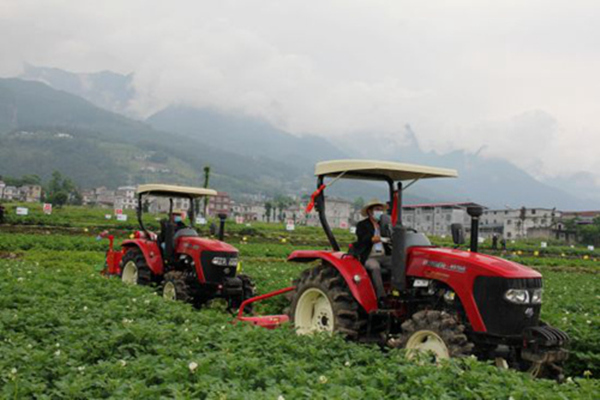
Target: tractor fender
<point x="353" y="272"/>
<point x="151" y="252"/>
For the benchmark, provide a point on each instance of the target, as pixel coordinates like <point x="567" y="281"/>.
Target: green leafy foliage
<point x="67" y="332"/>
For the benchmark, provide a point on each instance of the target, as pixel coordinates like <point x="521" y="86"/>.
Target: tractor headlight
<point x="517" y="296"/>
<point x="220" y="261"/>
<point x="536" y="297"/>
<point x="233" y="262"/>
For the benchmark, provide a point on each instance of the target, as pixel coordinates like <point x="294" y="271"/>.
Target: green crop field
<point x="68" y="332"/>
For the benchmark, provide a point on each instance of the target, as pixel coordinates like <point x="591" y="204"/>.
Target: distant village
<point x="432" y="218"/>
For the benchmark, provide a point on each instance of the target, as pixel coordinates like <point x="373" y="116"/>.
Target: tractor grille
<point x="500" y="316"/>
<point x="217" y="273"/>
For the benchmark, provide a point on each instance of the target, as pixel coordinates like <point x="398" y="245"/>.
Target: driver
<point x="177" y="219"/>
<point x="369" y="248"/>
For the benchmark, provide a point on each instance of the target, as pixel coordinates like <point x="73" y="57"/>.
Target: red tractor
<point x="185" y="266"/>
<point x="448" y="301"/>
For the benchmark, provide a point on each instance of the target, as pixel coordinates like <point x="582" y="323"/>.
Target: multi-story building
<point x="254" y="211"/>
<point x="30" y="193"/>
<point x="125" y="198"/>
<point x="158" y="205"/>
<point x="27" y="193"/>
<point x="10" y="193"/>
<point x="105" y="197"/>
<point x="581" y="217"/>
<point x="518" y="223"/>
<point x="436" y="218"/>
<point x="219" y="204"/>
<point x="338" y="212"/>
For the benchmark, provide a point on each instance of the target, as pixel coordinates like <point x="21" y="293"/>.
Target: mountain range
<point x="80" y="124"/>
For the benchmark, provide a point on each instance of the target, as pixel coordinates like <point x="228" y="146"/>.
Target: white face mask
<point x="377" y="214"/>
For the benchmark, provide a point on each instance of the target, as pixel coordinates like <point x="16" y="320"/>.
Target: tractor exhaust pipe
<point x="475" y="212"/>
<point x="222" y="218"/>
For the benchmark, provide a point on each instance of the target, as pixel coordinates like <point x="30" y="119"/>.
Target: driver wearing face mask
<point x="369" y="248"/>
<point x="178" y="220"/>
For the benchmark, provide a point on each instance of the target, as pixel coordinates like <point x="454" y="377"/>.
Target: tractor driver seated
<point x="369" y="247"/>
<point x="178" y="220"/>
<point x="171" y="228"/>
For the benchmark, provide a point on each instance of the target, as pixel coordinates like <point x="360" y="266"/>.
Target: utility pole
<point x="206" y="180"/>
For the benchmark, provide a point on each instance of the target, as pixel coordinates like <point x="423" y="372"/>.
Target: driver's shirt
<point x="377" y="250"/>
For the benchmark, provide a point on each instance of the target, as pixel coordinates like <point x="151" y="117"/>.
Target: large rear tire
<point x="322" y="302"/>
<point x="134" y="269"/>
<point x="434" y="331"/>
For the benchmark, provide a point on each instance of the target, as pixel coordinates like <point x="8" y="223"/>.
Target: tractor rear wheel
<point x="433" y="331"/>
<point x="322" y="302"/>
<point x="134" y="269"/>
<point x="174" y="287"/>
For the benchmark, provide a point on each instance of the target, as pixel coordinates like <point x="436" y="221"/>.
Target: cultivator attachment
<point x="265" y="321"/>
<point x="113" y="258"/>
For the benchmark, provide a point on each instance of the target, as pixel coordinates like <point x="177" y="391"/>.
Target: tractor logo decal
<point x="529" y="312"/>
<point x="440" y="265"/>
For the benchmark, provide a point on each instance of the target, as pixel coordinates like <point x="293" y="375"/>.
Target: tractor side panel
<point x="193" y="251"/>
<point x="150" y="251"/>
<point x="454" y="273"/>
<point x="349" y="267"/>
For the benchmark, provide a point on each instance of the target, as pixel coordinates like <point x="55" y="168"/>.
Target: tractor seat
<point x="185" y="232"/>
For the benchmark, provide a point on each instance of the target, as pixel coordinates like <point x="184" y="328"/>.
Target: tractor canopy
<point x="174" y="191"/>
<point x="170" y="191"/>
<point x="393" y="173"/>
<point x="380" y="170"/>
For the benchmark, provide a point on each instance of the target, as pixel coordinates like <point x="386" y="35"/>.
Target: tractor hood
<point x="453" y="260"/>
<point x="207" y="244"/>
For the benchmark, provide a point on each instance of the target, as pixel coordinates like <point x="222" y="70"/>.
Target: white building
<point x="515" y="223"/>
<point x="338" y="212"/>
<point x="125" y="198"/>
<point x="435" y="218"/>
<point x="252" y="211"/>
<point x="159" y="205"/>
<point x="10" y="193"/>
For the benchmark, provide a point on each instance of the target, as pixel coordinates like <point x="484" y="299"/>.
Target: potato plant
<point x="67" y="332"/>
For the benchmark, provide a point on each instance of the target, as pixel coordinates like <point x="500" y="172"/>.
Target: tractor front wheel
<point x="247" y="293"/>
<point x="322" y="302"/>
<point x="134" y="269"/>
<point x="174" y="287"/>
<point x="436" y="332"/>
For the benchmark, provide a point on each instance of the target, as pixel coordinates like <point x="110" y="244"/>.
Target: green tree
<point x="61" y="190"/>
<point x="268" y="209"/>
<point x="358" y="203"/>
<point x="206" y="181"/>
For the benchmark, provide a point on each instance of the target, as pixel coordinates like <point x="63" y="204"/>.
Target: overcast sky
<point x="514" y="79"/>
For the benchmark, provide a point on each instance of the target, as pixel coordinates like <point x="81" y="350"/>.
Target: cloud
<point x="464" y="75"/>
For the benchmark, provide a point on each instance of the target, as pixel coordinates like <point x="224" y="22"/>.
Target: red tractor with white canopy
<point x="186" y="266"/>
<point x="448" y="301"/>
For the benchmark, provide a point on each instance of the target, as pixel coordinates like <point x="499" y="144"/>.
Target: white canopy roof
<point x="158" y="189"/>
<point x="371" y="169"/>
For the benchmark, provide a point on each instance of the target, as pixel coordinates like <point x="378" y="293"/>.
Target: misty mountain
<point x="248" y="154"/>
<point x="584" y="183"/>
<point x="105" y="89"/>
<point x="246" y="135"/>
<point x="490" y="181"/>
<point x="43" y="129"/>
